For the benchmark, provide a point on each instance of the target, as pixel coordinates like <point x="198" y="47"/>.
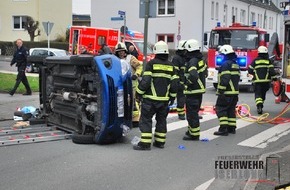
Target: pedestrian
<point x="105" y="50"/>
<point x="195" y="74"/>
<point x="158" y="89"/>
<point x="20" y="58"/>
<point x="178" y="61"/>
<point x="83" y="50"/>
<point x="133" y="51"/>
<point x="227" y="91"/>
<point x="263" y="72"/>
<point x="136" y="68"/>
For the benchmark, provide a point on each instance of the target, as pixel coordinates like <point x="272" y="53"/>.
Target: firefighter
<point x="157" y="89"/>
<point x="227" y="91"/>
<point x="136" y="68"/>
<point x="179" y="65"/>
<point x="195" y="74"/>
<point x="263" y="71"/>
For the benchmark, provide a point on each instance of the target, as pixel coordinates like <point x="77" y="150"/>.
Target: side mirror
<point x="267" y="37"/>
<point x="205" y="39"/>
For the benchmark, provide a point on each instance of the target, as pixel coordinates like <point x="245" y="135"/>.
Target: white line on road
<point x="205" y="185"/>
<point x="261" y="140"/>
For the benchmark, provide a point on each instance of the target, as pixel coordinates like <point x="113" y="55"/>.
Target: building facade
<point x="185" y="19"/>
<point x="14" y="13"/>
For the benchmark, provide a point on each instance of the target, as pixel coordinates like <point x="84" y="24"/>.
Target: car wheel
<point x="83" y="139"/>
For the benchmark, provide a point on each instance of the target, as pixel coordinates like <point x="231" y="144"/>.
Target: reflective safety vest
<point x="159" y="81"/>
<point x="195" y="74"/>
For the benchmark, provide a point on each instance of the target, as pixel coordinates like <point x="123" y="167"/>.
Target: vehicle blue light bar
<point x="254" y="23"/>
<point x="218" y="24"/>
<point x="131" y="33"/>
<point x="218" y="60"/>
<point x="242" y="61"/>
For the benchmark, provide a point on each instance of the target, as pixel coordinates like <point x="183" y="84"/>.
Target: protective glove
<point x="171" y="101"/>
<point x="11" y="64"/>
<point x="134" y="77"/>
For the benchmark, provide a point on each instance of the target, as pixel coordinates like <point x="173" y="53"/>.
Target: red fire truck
<point x="281" y="87"/>
<point x="245" y="40"/>
<point x="92" y="39"/>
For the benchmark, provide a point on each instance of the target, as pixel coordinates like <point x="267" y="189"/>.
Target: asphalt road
<point x="180" y="165"/>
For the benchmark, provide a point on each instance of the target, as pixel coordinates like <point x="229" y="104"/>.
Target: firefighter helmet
<point x="181" y="45"/>
<point x="262" y="49"/>
<point x="120" y="47"/>
<point x="192" y="45"/>
<point x="226" y="49"/>
<point x="161" y="48"/>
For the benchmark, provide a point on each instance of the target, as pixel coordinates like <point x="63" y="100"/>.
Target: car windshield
<point x="140" y="46"/>
<point x="238" y="39"/>
<point x="60" y="53"/>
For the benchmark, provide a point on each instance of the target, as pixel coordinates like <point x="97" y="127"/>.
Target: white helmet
<point x="181" y="45"/>
<point x="120" y="47"/>
<point x="192" y="45"/>
<point x="262" y="49"/>
<point x="160" y="48"/>
<point x="226" y="49"/>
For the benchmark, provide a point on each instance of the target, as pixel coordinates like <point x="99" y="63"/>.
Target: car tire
<point x="83" y="139"/>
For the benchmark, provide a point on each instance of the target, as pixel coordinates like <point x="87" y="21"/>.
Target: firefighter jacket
<point x="229" y="76"/>
<point x="262" y="69"/>
<point x="159" y="81"/>
<point x="136" y="66"/>
<point x="195" y="73"/>
<point x="179" y="65"/>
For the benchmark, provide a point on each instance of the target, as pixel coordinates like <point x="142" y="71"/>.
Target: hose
<point x="243" y="111"/>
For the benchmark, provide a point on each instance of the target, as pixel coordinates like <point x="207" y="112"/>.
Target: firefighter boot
<point x="158" y="144"/>
<point x="142" y="146"/>
<point x="135" y="124"/>
<point x="188" y="137"/>
<point x="260" y="109"/>
<point x="222" y="131"/>
<point x="232" y="130"/>
<point x="181" y="116"/>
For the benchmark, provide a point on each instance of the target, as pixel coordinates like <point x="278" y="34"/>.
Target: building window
<point x="168" y="38"/>
<point x="253" y="17"/>
<point x="212" y="10"/>
<point x="225" y="19"/>
<point x="217" y="11"/>
<point x="242" y="16"/>
<point x="19" y="22"/>
<point x="166" y="7"/>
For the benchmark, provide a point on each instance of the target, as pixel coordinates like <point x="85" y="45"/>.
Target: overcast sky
<point x="81" y="6"/>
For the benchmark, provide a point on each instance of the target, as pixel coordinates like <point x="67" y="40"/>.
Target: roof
<point x="266" y="4"/>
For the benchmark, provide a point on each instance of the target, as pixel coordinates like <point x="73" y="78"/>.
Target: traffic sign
<point x="117" y="18"/>
<point x="47" y="27"/>
<point x="122" y="13"/>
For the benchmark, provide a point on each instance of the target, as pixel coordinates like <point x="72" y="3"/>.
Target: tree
<point x="31" y="26"/>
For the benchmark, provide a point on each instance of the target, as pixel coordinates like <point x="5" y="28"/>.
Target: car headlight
<point x="125" y="67"/>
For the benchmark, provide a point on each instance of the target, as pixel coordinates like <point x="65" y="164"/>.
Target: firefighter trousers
<point x="226" y="112"/>
<point x="261" y="89"/>
<point x="180" y="102"/>
<point x="149" y="108"/>
<point x="193" y="103"/>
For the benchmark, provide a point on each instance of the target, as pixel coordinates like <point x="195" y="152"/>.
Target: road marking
<point x="204" y="185"/>
<point x="261" y="140"/>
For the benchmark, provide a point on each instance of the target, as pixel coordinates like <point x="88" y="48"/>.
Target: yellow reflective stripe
<point x="232" y="119"/>
<point x="145" y="140"/>
<point x="173" y="95"/>
<point x="139" y="91"/>
<point x="195" y="129"/>
<point x="259" y="80"/>
<point x="160" y="139"/>
<point x="174" y="77"/>
<point x="200" y="83"/>
<point x="224" y="123"/>
<point x="225" y="72"/>
<point x="201" y="63"/>
<point x="153" y="90"/>
<point x="262" y="61"/>
<point x="183" y="68"/>
<point x="191" y="68"/>
<point x="156" y="98"/>
<point x="161" y="75"/>
<point x="232" y="85"/>
<point x="222" y="87"/>
<point x="235" y="73"/>
<point x="148" y="73"/>
<point x="235" y="66"/>
<point x="177" y="68"/>
<point x="162" y="67"/>
<point x="146" y="135"/>
<point x="180" y="109"/>
<point x="160" y="134"/>
<point x="194" y="91"/>
<point x="261" y="66"/>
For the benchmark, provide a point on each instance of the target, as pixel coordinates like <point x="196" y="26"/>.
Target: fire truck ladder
<point x="30" y="134"/>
